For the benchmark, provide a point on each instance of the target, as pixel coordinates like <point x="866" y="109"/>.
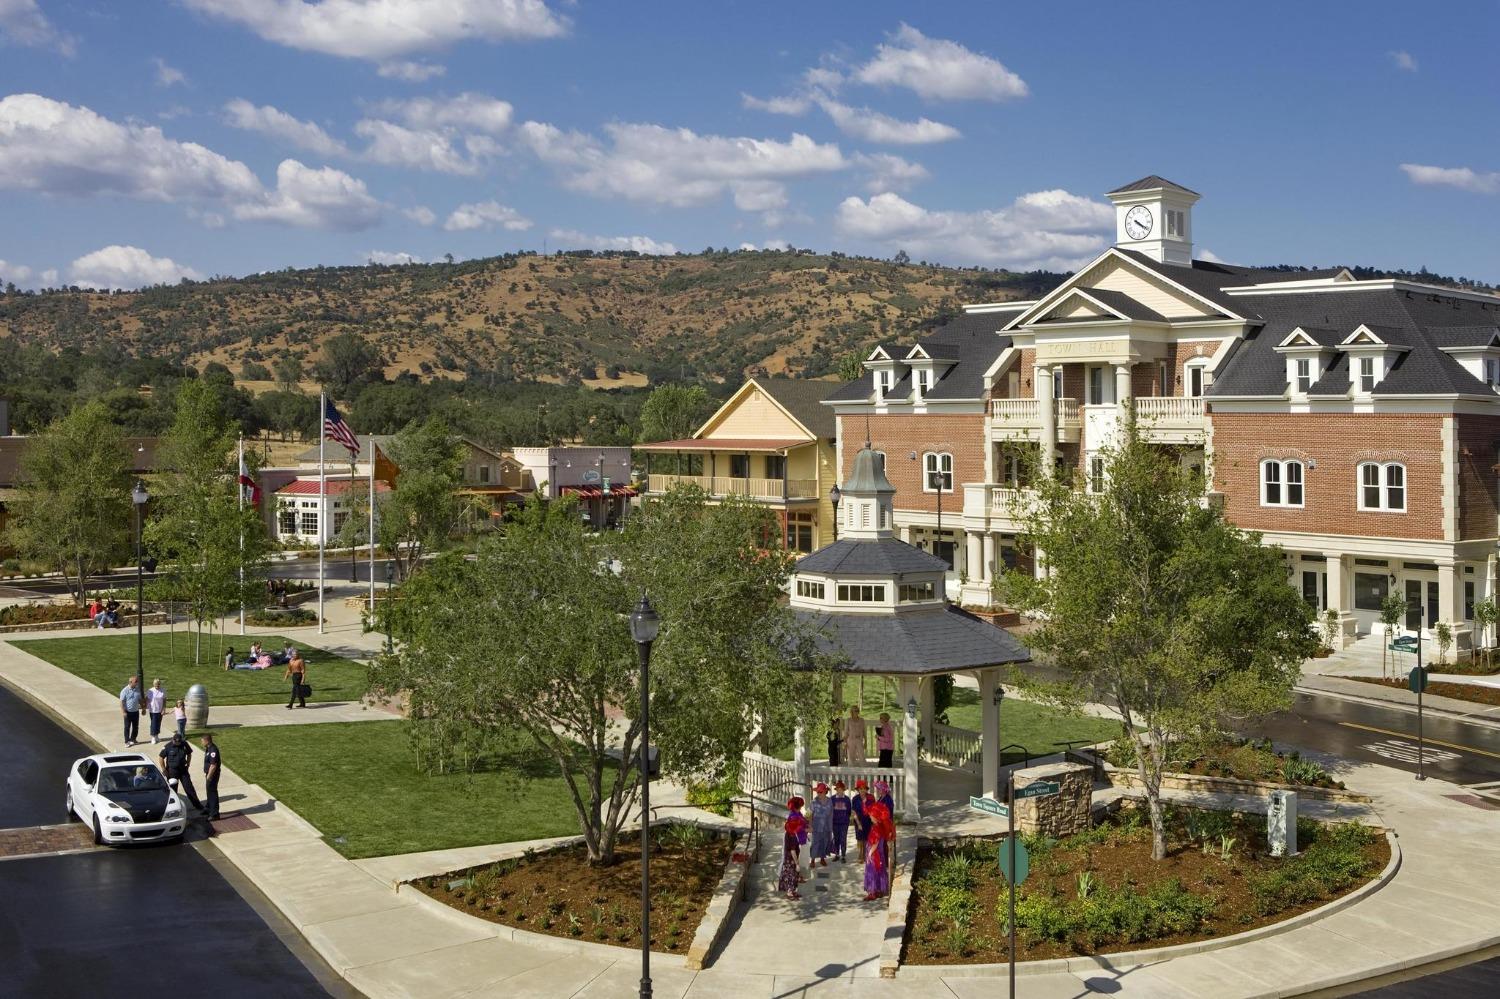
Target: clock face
<point x="1138" y="222"/>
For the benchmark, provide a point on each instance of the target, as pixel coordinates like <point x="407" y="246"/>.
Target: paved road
<point x="119" y="922"/>
<point x="1480" y="980"/>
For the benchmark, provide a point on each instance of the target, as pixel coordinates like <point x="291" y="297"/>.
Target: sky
<point x="148" y="141"/>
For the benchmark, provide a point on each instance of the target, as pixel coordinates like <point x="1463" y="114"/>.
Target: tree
<point x="422" y="514"/>
<point x="674" y="413"/>
<point x="1392" y="610"/>
<point x="72" y="511"/>
<point x="348" y="361"/>
<point x="213" y="552"/>
<point x="1152" y="601"/>
<point x="1485" y="614"/>
<point x="289" y="372"/>
<point x="852" y="367"/>
<point x="532" y="637"/>
<point x="1443" y="632"/>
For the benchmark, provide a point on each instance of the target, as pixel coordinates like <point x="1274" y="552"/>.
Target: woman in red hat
<point x="791" y="850"/>
<point x="877" y="852"/>
<point x="820" y="815"/>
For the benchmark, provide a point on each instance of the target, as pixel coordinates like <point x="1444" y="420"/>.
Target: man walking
<point x="296" y="668"/>
<point x="176" y="759"/>
<point x="130" y="709"/>
<point x="211" y="775"/>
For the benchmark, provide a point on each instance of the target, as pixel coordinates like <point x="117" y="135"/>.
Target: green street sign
<point x="990" y="805"/>
<point x="1023" y="861"/>
<point x="1417" y="679"/>
<point x="1038" y="789"/>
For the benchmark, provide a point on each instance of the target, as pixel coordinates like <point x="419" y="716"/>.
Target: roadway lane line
<point x="1411" y="738"/>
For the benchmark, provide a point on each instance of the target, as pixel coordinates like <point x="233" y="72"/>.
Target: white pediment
<point x="1115" y="271"/>
<point x="1362" y="336"/>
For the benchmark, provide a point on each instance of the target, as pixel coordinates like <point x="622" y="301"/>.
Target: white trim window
<point x="1367" y="374"/>
<point x="1195" y="378"/>
<point x="1492" y="372"/>
<point x="1304" y="374"/>
<point x="1382" y="486"/>
<point x="1281" y="482"/>
<point x="1096" y="475"/>
<point x="938" y="472"/>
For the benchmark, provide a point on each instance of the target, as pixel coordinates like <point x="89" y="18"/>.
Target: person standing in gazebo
<point x="854" y="738"/>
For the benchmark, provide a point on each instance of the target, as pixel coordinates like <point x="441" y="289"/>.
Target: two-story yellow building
<point x="772" y="442"/>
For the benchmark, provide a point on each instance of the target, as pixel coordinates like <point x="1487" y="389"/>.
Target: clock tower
<point x="1155" y="216"/>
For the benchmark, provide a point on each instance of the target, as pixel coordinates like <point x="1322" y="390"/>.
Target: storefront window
<point x="1370" y="590"/>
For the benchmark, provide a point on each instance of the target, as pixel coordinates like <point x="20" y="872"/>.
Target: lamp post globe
<point x="645" y="624"/>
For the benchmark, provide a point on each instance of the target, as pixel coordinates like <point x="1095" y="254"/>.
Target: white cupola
<point x="867" y="499"/>
<point x="1155" y="216"/>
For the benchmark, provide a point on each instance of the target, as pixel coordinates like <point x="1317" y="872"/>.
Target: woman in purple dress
<point x="791" y="850"/>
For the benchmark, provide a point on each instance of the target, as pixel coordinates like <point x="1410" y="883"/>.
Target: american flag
<point x="336" y="430"/>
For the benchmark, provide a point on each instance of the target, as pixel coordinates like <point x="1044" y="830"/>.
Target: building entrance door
<point x="1420" y="612"/>
<point x="1310" y="589"/>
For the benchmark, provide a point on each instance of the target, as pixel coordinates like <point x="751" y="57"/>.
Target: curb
<point x="898" y="906"/>
<point x="1465" y="715"/>
<point x="722" y="903"/>
<point x="1114" y="961"/>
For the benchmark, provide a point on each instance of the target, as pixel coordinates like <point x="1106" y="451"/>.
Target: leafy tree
<point x="254" y="371"/>
<point x="852" y="367"/>
<point x="287" y="413"/>
<point x="674" y="412"/>
<point x="1152" y="601"/>
<point x="73" y="510"/>
<point x="348" y="360"/>
<point x="1485" y="614"/>
<point x="421" y="515"/>
<point x="532" y="637"/>
<point x="213" y="553"/>
<point x="1392" y="610"/>
<point x="289" y="372"/>
<point x="1444" y="635"/>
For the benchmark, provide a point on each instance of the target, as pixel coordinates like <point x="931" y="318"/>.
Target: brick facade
<point x="899" y="434"/>
<point x="1337" y="443"/>
<point x="1478" y="477"/>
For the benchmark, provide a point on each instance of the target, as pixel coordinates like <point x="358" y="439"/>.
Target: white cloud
<point x="770" y="244"/>
<point x="118" y="266"/>
<point x="1404" y="60"/>
<point x="485" y="215"/>
<point x="399" y="146"/>
<point x="166" y="76"/>
<point x="391" y="259"/>
<point x="15" y="274"/>
<point x="585" y="241"/>
<point x="1049" y="229"/>
<point x="873" y="126"/>
<point x="1463" y="178"/>
<point x="49" y="277"/>
<point x="890" y="173"/>
<point x="314" y="199"/>
<point x="679" y="167"/>
<point x="468" y="112"/>
<point x="277" y="124"/>
<point x="384" y="30"/>
<point x="938" y="69"/>
<point x="420" y="214"/>
<point x="22" y="22"/>
<point x="793" y="104"/>
<point x="411" y="72"/>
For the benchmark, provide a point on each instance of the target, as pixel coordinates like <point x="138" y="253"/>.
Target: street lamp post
<point x="644" y="625"/>
<point x="138" y="497"/>
<point x="835" y="494"/>
<point x="390" y="575"/>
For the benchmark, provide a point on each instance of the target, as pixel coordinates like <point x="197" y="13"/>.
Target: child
<point x="179" y="713"/>
<point x="885" y="739"/>
<point x="791" y="850"/>
<point x="822" y="826"/>
<point x="839" y="805"/>
<point x="861" y="820"/>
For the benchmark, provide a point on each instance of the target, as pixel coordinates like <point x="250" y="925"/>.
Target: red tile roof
<point x="336" y="487"/>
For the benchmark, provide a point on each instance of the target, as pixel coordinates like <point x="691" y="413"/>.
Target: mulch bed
<point x="1124" y="863"/>
<point x="1237" y="761"/>
<point x="560" y="894"/>
<point x="1458" y="691"/>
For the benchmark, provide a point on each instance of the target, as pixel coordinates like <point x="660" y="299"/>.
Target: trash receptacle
<point x="197" y="706"/>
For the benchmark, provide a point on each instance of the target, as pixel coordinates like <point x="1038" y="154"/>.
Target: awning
<point x="726" y="444"/>
<point x="593" y="492"/>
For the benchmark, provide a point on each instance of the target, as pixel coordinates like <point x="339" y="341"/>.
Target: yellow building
<point x="772" y="442"/>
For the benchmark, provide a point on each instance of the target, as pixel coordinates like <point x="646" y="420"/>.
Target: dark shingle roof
<point x="914" y="643"/>
<point x="803" y="398"/>
<point x="1125" y="305"/>
<point x="972" y="341"/>
<point x="1150" y="183"/>
<point x="864" y="557"/>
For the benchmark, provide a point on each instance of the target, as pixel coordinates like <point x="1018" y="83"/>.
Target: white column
<point x="988" y="557"/>
<point x="1122" y="385"/>
<point x="1339" y="580"/>
<point x="906" y="533"/>
<point x="1047" y="411"/>
<point x="974" y="557"/>
<point x="799" y="761"/>
<point x="1450" y="602"/>
<point x="989" y="730"/>
<point x="910" y="757"/>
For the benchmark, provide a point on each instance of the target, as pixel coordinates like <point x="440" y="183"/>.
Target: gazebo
<point x="878" y="604"/>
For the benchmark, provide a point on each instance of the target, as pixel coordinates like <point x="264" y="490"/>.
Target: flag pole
<point x="241" y="487"/>
<point x="322" y="496"/>
<point x="374" y="450"/>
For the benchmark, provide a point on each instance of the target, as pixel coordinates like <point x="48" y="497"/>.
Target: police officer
<point x="211" y="774"/>
<point x="176" y="757"/>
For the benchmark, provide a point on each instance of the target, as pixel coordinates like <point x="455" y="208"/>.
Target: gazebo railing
<point x="956" y="747"/>
<point x="760" y="774"/>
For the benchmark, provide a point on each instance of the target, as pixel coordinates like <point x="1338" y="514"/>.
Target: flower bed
<point x="558" y="893"/>
<point x="1478" y="693"/>
<point x="1243" y="760"/>
<point x="42" y="613"/>
<point x="1100" y="892"/>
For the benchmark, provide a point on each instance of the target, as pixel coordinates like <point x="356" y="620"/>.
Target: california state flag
<point x="247" y="485"/>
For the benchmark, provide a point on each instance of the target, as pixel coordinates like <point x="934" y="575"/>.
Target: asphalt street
<point x="120" y="921"/>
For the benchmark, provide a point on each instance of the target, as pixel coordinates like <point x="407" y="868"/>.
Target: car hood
<point x="144" y="806"/>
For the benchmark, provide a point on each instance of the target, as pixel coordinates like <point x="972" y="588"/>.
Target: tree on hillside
<point x="421" y="515"/>
<point x="348" y="361"/>
<point x="287" y="413"/>
<point x="532" y="637"/>
<point x="72" y="511"/>
<point x="289" y="372"/>
<point x="1155" y="604"/>
<point x="212" y="552"/>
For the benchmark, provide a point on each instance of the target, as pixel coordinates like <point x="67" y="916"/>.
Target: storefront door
<point x="1415" y="604"/>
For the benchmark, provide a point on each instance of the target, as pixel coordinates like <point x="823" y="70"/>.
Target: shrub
<point x="714" y="797"/>
<point x="1044" y="915"/>
<point x="686" y="836"/>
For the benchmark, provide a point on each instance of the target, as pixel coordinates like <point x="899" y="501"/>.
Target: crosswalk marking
<point x="1430" y="742"/>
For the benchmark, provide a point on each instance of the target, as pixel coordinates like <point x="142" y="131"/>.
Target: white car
<point x="125" y="798"/>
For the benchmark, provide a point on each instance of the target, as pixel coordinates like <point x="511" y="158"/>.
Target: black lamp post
<point x="835" y="494"/>
<point x="138" y="498"/>
<point x="390" y="576"/>
<point x="644" y="625"/>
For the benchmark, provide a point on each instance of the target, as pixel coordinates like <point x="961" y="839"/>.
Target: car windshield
<point x="115" y="780"/>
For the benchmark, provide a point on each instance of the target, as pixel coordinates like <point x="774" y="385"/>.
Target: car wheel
<point x="98" y="833"/>
<point x="70" y="814"/>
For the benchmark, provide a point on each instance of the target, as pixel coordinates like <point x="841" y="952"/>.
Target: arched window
<point x="1382" y="486"/>
<point x="1280" y="482"/>
<point x="938" y="472"/>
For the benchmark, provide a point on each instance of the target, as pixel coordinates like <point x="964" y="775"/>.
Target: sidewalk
<point x="1444" y="901"/>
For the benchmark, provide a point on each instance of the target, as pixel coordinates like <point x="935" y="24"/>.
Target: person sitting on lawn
<point x="112" y="614"/>
<point x="229" y="658"/>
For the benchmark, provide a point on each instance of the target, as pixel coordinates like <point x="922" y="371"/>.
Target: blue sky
<point x="145" y="141"/>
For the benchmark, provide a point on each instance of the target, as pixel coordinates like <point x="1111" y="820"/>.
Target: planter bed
<point x="1129" y="902"/>
<point x="1477" y="693"/>
<point x="127" y="621"/>
<point x="559" y="894"/>
<point x="1252" y="764"/>
<point x="1229" y="785"/>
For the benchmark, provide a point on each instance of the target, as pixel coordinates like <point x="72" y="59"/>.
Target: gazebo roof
<point x="943" y="639"/>
<point x="884" y="557"/>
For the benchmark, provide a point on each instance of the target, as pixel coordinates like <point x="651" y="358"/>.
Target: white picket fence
<point x="956" y="747"/>
<point x="773" y="781"/>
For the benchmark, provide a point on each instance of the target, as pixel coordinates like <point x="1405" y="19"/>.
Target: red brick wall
<point x="1145" y="379"/>
<point x="1179" y="354"/>
<point x="900" y="434"/>
<point x="1478" y="501"/>
<point x="1338" y="442"/>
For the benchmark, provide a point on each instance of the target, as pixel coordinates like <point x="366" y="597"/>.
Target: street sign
<point x="1023" y="861"/>
<point x="606" y="485"/>
<point x="1038" y="789"/>
<point x="989" y="805"/>
<point x="1417" y="679"/>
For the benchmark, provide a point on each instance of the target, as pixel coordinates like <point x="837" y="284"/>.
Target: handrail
<point x="1092" y="761"/>
<point x="751" y="798"/>
<point x="1016" y="745"/>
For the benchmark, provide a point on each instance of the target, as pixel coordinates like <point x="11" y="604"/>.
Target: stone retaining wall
<point x="1226" y="785"/>
<point x="126" y="623"/>
<point x="725" y="897"/>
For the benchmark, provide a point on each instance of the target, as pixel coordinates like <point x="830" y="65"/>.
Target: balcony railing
<point x="1170" y="409"/>
<point x="727" y="485"/>
<point x="1023" y="417"/>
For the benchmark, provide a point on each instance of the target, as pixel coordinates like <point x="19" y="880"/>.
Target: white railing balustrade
<point x="956" y="747"/>
<point x="773" y="781"/>
<point x="1028" y="412"/>
<point x="1170" y="409"/>
<point x="730" y="485"/>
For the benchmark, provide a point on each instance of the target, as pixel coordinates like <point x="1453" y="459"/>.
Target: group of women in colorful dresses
<point x="824" y="829"/>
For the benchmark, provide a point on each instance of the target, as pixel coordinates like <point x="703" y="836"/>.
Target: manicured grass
<point x="107" y="660"/>
<point x="358" y="783"/>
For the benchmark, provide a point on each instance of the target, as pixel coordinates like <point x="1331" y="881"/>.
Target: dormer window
<point x="1492" y="372"/>
<point x="1367" y="374"/>
<point x="1304" y="375"/>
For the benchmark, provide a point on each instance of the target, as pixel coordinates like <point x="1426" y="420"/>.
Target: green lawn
<point x="107" y="660"/>
<point x="357" y="782"/>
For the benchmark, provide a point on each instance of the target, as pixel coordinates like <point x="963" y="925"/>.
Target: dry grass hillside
<point x="602" y="319"/>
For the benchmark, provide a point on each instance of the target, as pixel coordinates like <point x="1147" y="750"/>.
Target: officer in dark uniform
<point x="211" y="774"/>
<point x="176" y="757"/>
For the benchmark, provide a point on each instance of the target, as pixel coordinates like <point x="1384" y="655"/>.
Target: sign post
<point x="1417" y="681"/>
<point x="1015" y="861"/>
